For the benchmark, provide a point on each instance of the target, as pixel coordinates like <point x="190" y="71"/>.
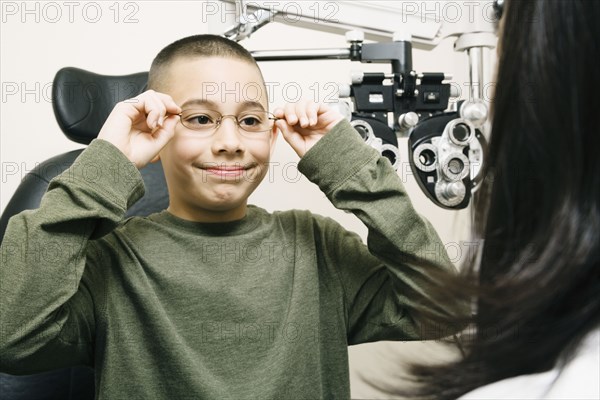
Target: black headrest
<point x="82" y="100"/>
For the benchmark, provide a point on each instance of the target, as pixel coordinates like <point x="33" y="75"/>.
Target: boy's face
<point x="210" y="175"/>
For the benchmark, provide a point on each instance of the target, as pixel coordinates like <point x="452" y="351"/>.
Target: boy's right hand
<point x="140" y="127"/>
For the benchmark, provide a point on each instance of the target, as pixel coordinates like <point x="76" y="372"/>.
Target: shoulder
<point x="315" y="228"/>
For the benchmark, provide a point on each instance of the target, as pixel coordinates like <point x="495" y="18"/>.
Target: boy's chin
<point x="223" y="206"/>
<point x="230" y="202"/>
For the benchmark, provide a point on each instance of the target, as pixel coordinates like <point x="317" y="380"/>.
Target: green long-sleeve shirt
<point x="260" y="308"/>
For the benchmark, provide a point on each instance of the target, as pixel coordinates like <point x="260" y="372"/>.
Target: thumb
<point x="286" y="130"/>
<point x="163" y="135"/>
<point x="293" y="138"/>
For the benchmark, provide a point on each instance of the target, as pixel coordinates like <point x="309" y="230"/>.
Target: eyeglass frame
<point x="271" y="117"/>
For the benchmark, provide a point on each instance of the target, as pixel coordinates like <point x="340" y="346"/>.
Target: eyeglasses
<point x="253" y="123"/>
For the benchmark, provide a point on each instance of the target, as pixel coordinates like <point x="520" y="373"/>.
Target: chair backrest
<point x="82" y="101"/>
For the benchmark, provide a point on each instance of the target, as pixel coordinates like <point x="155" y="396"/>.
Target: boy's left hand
<point x="304" y="123"/>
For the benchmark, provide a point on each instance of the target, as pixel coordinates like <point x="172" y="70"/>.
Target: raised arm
<point x="51" y="277"/>
<point x="386" y="284"/>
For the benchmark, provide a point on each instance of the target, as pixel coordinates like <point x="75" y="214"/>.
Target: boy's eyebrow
<point x="214" y="105"/>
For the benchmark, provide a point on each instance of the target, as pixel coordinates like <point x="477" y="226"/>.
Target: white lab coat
<point x="580" y="379"/>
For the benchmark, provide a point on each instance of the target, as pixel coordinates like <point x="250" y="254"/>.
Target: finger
<point x="285" y="128"/>
<point x="170" y="123"/>
<point x="142" y="106"/>
<point x="279" y="112"/>
<point x="155" y="110"/>
<point x="292" y="137"/>
<point x="290" y="114"/>
<point x="313" y="113"/>
<point x="164" y="134"/>
<point x="301" y="112"/>
<point x="169" y="103"/>
<point x="148" y="105"/>
<point x="330" y="114"/>
<point x="151" y="105"/>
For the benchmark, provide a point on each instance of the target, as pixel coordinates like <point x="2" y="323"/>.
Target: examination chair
<point x="82" y="101"/>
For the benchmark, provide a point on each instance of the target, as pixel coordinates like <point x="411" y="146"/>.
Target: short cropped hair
<point x="192" y="47"/>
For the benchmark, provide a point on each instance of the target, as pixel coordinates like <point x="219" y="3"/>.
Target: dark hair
<point x="195" y="46"/>
<point x="537" y="283"/>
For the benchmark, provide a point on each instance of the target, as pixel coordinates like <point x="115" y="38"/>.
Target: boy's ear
<point x="274" y="134"/>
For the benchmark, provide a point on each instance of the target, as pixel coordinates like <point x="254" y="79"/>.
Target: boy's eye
<point x="254" y="120"/>
<point x="250" y="120"/>
<point x="200" y="120"/>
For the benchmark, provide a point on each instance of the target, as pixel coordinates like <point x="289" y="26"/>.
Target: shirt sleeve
<point x="387" y="282"/>
<point x="48" y="288"/>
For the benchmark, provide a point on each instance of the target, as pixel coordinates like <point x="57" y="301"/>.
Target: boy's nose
<point x="227" y="137"/>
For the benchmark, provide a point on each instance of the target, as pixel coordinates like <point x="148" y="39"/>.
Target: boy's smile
<point x="225" y="171"/>
<point x="211" y="173"/>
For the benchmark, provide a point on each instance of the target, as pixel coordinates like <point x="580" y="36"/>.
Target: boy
<point x="213" y="298"/>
